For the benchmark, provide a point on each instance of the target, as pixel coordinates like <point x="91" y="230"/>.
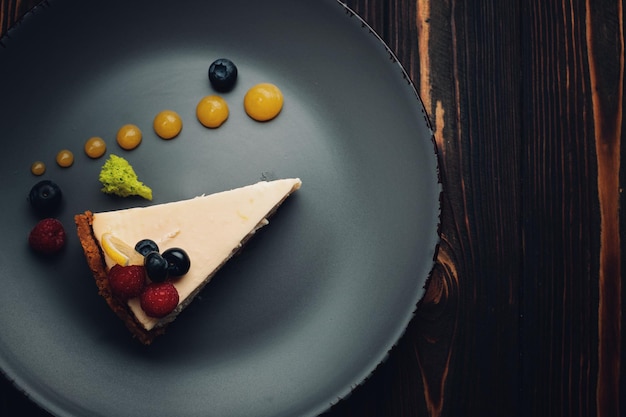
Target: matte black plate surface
<point x="317" y="298"/>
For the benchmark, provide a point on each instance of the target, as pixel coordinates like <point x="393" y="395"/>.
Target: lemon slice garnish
<point x="119" y="251"/>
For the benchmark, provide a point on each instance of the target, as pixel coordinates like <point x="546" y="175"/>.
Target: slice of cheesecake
<point x="210" y="228"/>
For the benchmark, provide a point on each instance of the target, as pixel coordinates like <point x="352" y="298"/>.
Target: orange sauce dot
<point x="38" y="168"/>
<point x="129" y="137"/>
<point x="65" y="158"/>
<point x="263" y="102"/>
<point x="167" y="124"/>
<point x="95" y="147"/>
<point x="212" y="111"/>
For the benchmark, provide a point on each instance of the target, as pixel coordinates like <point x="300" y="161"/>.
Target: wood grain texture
<point x="561" y="235"/>
<point x="12" y="11"/>
<point x="571" y="209"/>
<point x="522" y="315"/>
<point x="605" y="43"/>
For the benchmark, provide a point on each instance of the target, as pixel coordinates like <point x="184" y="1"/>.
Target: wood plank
<point x="573" y="95"/>
<point x="474" y="88"/>
<point x="605" y="43"/>
<point x="12" y="11"/>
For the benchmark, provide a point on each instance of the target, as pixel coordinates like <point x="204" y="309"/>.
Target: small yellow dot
<point x="129" y="137"/>
<point x="38" y="168"/>
<point x="167" y="124"/>
<point x="212" y="111"/>
<point x="65" y="158"/>
<point x="95" y="147"/>
<point x="263" y="102"/>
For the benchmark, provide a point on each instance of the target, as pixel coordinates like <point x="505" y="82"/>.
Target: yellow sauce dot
<point x="38" y="168"/>
<point x="167" y="124"/>
<point x="95" y="147"/>
<point x="263" y="102"/>
<point x="212" y="111"/>
<point x="65" y="158"/>
<point x="129" y="137"/>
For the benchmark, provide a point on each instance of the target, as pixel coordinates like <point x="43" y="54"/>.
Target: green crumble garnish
<point x="119" y="178"/>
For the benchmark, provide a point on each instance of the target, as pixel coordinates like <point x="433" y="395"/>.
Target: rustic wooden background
<point x="523" y="313"/>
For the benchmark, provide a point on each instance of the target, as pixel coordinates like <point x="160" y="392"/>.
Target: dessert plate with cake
<point x="307" y="236"/>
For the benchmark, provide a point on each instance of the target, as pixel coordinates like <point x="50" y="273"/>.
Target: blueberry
<point x="223" y="74"/>
<point x="156" y="267"/>
<point x="45" y="197"/>
<point x="146" y="246"/>
<point x="178" y="261"/>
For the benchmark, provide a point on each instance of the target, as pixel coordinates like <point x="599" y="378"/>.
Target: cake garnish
<point x="172" y="263"/>
<point x="145" y="246"/>
<point x="47" y="237"/>
<point x="127" y="282"/>
<point x="212" y="111"/>
<point x="159" y="299"/>
<point x="38" y="168"/>
<point x="167" y="124"/>
<point x="45" y="197"/>
<point x="129" y="137"/>
<point x="118" y="177"/>
<point x="178" y="262"/>
<point x="156" y="267"/>
<point x="138" y="272"/>
<point x="95" y="147"/>
<point x="223" y="74"/>
<point x="119" y="251"/>
<point x="263" y="102"/>
<point x="65" y="158"/>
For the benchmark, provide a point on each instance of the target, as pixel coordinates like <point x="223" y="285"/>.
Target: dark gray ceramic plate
<point x="314" y="302"/>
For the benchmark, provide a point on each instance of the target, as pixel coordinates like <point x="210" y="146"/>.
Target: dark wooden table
<point x="523" y="313"/>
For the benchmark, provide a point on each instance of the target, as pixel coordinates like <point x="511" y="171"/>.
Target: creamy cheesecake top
<point x="210" y="228"/>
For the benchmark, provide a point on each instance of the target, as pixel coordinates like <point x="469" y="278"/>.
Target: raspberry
<point x="47" y="237"/>
<point x="127" y="281"/>
<point x="159" y="299"/>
